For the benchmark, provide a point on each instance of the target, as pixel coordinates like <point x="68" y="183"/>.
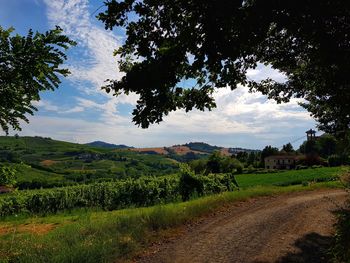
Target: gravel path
<point x="293" y="227"/>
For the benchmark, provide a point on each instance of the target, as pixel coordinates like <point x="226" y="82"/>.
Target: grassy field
<point x="99" y="236"/>
<point x="292" y="177"/>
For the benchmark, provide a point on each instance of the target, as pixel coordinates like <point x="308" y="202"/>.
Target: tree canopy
<point x="268" y="151"/>
<point x="28" y="65"/>
<point x="216" y="42"/>
<point x="288" y="148"/>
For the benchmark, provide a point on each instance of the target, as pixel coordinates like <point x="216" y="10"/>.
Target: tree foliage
<point x="216" y="42"/>
<point x="216" y="163"/>
<point x="268" y="151"/>
<point x="28" y="65"/>
<point x="324" y="146"/>
<point x="288" y="148"/>
<point x="7" y="175"/>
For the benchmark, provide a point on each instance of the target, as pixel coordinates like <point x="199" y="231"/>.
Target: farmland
<point x="81" y="203"/>
<point x="91" y="234"/>
<point x="45" y="163"/>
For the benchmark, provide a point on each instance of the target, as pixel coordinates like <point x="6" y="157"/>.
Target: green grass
<point x="291" y="177"/>
<point x="89" y="236"/>
<point x="27" y="175"/>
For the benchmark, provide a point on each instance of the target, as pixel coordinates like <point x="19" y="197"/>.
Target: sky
<point x="79" y="111"/>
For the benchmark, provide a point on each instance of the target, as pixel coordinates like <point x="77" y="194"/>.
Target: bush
<point x="7" y="175"/>
<point x="301" y="167"/>
<point x="189" y="183"/>
<point x="312" y="159"/>
<point x="192" y="184"/>
<point x="341" y="244"/>
<point x="341" y="247"/>
<point x="334" y="160"/>
<point x="239" y="169"/>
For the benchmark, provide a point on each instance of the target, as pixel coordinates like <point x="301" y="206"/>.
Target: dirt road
<point x="288" y="228"/>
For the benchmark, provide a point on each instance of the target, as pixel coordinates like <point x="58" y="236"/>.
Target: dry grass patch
<point x="48" y="162"/>
<point x="31" y="228"/>
<point x="159" y="150"/>
<point x="182" y="150"/>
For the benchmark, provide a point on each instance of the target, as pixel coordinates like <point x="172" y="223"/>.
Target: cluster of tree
<point x="255" y="159"/>
<point x="216" y="163"/>
<point x="328" y="148"/>
<point x="249" y="159"/>
<point x="324" y="146"/>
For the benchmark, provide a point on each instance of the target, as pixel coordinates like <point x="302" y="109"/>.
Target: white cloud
<point x="74" y="110"/>
<point x="262" y="72"/>
<point x="239" y="111"/>
<point x="97" y="63"/>
<point x="240" y="114"/>
<point x="46" y="105"/>
<point x="96" y="44"/>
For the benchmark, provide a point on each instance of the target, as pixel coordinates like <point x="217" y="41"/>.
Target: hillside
<point x="44" y="162"/>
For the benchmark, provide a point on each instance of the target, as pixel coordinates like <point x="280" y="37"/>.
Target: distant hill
<point x="108" y="145"/>
<point x="191" y="149"/>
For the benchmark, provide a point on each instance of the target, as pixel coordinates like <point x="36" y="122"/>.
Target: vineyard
<point x="145" y="191"/>
<point x="148" y="191"/>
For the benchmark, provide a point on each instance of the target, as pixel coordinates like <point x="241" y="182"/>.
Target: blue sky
<point x="80" y="112"/>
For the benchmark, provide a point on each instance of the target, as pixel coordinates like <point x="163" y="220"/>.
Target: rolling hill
<point x="44" y="162"/>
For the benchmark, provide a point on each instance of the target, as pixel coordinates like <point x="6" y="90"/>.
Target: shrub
<point x="334" y="160"/>
<point x="189" y="183"/>
<point x="239" y="169"/>
<point x="341" y="247"/>
<point x="301" y="167"/>
<point x="341" y="244"/>
<point x="7" y="175"/>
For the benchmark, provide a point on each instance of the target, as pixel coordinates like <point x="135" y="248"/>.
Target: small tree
<point x="288" y="148"/>
<point x="268" y="151"/>
<point x="242" y="157"/>
<point x="214" y="162"/>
